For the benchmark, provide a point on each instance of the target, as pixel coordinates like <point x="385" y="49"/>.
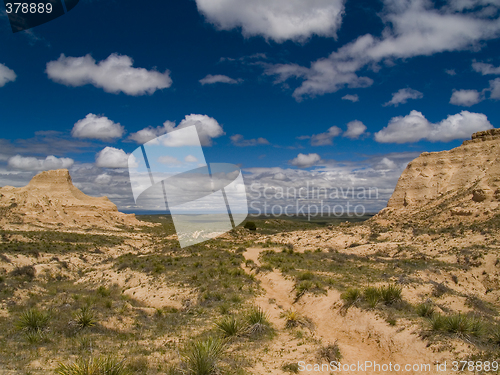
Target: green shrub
<point x="330" y="353"/>
<point x="250" y="225"/>
<point x="258" y="321"/>
<point x="291" y="367"/>
<point x="202" y="356"/>
<point x="85" y="317"/>
<point x="229" y="326"/>
<point x="350" y="297"/>
<point x="293" y="319"/>
<point x="425" y="310"/>
<point x="93" y="366"/>
<point x="33" y="320"/>
<point x="438" y="322"/>
<point x="372" y="296"/>
<point x="391" y="293"/>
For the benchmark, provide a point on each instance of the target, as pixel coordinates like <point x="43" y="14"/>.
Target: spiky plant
<point x="33" y="320"/>
<point x="229" y="326"/>
<point x="93" y="366"/>
<point x="202" y="356"/>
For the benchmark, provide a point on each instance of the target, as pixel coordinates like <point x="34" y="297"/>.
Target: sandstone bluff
<point x="51" y="200"/>
<point x="462" y="184"/>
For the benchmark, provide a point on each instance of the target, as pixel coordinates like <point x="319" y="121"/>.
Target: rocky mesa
<point x="50" y="200"/>
<point x="462" y="184"/>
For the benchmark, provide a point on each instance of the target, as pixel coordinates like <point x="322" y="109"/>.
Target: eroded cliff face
<point x="51" y="200"/>
<point x="462" y="182"/>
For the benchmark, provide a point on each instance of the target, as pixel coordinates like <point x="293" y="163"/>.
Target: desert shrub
<point x="439" y="290"/>
<point x="258" y="321"/>
<point x="372" y="296"/>
<point x="425" y="310"/>
<point x="93" y="366"/>
<point x="291" y="367"/>
<point x="305" y="276"/>
<point x="350" y="297"/>
<point x="391" y="293"/>
<point x="33" y="320"/>
<point x="250" y="225"/>
<point x="25" y="271"/>
<point x="103" y="291"/>
<point x="303" y="287"/>
<point x="85" y="317"/>
<point x="36" y="337"/>
<point x="438" y="322"/>
<point x="330" y="353"/>
<point x="229" y="326"/>
<point x="495" y="335"/>
<point x="294" y="319"/>
<point x="266" y="267"/>
<point x="202" y="356"/>
<point x="458" y="323"/>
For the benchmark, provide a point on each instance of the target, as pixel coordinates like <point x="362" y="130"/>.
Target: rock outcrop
<point x="451" y="185"/>
<point x="50" y="200"/>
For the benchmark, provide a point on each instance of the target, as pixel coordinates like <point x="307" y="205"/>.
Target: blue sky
<point x="340" y="93"/>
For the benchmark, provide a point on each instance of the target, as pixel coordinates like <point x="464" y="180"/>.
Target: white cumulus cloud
<point x="466" y="98"/>
<point x="207" y="128"/>
<point x="415" y="127"/>
<point x="219" y="78"/>
<point x="484" y="68"/>
<point x="402" y="96"/>
<point x="324" y="139"/>
<point x="111" y="157"/>
<point x="495" y="88"/>
<point x="353" y="98"/>
<point x="412" y="28"/>
<point x="354" y="129"/>
<point x="28" y="163"/>
<point x="278" y="20"/>
<point x="305" y="161"/>
<point x="97" y="127"/>
<point x="114" y="74"/>
<point x="6" y="75"/>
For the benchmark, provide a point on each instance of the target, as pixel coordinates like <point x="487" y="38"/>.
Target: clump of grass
<point x="229" y="326"/>
<point x="294" y="319"/>
<point x="372" y="296"/>
<point x="425" y="310"/>
<point x="202" y="356"/>
<point x="85" y="317"/>
<point x="391" y="293"/>
<point x="305" y="275"/>
<point x="33" y="320"/>
<point x="303" y="287"/>
<point x="330" y="353"/>
<point x="438" y="322"/>
<point x="463" y="324"/>
<point x="36" y="337"/>
<point x="350" y="297"/>
<point x="93" y="366"/>
<point x="495" y="336"/>
<point x="258" y="321"/>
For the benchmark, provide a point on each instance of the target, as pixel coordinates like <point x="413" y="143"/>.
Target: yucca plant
<point x="391" y="293"/>
<point x="229" y="326"/>
<point x="85" y="317"/>
<point x="258" y="321"/>
<point x="458" y="323"/>
<point x="33" y="320"/>
<point x="202" y="356"/>
<point x="293" y="319"/>
<point x="93" y="366"/>
<point x="350" y="297"/>
<point x="438" y="322"/>
<point x="425" y="310"/>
